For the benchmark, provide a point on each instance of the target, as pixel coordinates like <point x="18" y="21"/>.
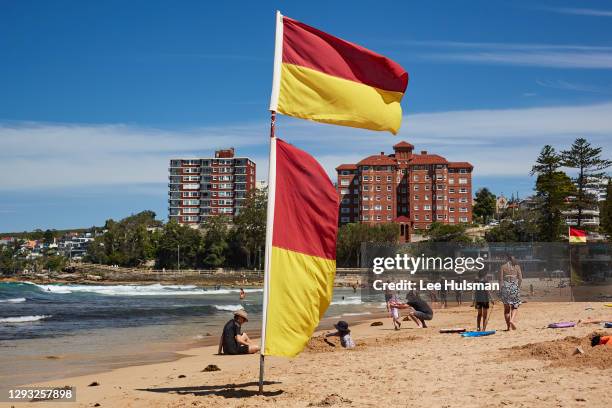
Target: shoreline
<point x="368" y="376"/>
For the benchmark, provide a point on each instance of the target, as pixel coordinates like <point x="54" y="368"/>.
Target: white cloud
<point x="583" y="11"/>
<point x="538" y="55"/>
<point x="573" y="86"/>
<point x="501" y="142"/>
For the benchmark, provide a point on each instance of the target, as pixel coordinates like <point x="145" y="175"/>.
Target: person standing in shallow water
<point x="510" y="279"/>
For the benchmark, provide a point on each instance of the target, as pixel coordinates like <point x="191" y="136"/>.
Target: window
<point x="463" y="171"/>
<point x="415" y="197"/>
<point x="463" y="209"/>
<point x="463" y="190"/>
<point x="377" y="207"/>
<point x="416" y="217"/>
<point x="377" y="178"/>
<point x="378" y="188"/>
<point x="463" y="180"/>
<point x="378" y="218"/>
<point x="366" y="188"/>
<point x="415" y="178"/>
<point x="346" y="201"/>
<point x="427" y="217"/>
<point x="389" y="178"/>
<point x="389" y="188"/>
<point x="451" y="209"/>
<point x="345" y="172"/>
<point x="451" y="200"/>
<point x="439" y="217"/>
<point x="345" y="210"/>
<point x="416" y="188"/>
<point x="463" y="200"/>
<point x="344" y="182"/>
<point x="451" y="190"/>
<point x="365" y="207"/>
<point x="426" y="187"/>
<point x="365" y="178"/>
<point x="451" y="181"/>
<point x="345" y="219"/>
<point x="416" y="207"/>
<point x="426" y="197"/>
<point x="452" y="219"/>
<point x="388" y="208"/>
<point x="377" y="198"/>
<point x="366" y="218"/>
<point x="388" y="198"/>
<point x="427" y="207"/>
<point x="463" y="219"/>
<point x="344" y="191"/>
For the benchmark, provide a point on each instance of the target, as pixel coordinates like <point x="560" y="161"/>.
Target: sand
<point x="531" y="367"/>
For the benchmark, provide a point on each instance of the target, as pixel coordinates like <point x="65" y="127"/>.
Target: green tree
<point x="605" y="217"/>
<point x="553" y="187"/>
<point x="248" y="236"/>
<point x="587" y="160"/>
<point x="484" y="205"/>
<point x="215" y="240"/>
<point x="180" y="246"/>
<point x="351" y="236"/>
<point x="439" y="232"/>
<point x="127" y="242"/>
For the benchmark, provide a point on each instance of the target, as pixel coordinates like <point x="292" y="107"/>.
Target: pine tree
<point x="587" y="160"/>
<point x="553" y="187"/>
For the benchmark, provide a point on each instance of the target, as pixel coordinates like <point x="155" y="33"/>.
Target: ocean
<point x="71" y="329"/>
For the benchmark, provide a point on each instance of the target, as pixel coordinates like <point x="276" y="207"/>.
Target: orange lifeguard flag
<point x="326" y="79"/>
<point x="577" y="236"/>
<point x="302" y="252"/>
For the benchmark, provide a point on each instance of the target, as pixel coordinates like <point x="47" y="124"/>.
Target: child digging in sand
<point x="344" y="333"/>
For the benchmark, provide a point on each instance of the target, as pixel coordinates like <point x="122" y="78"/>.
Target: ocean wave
<point x="229" y="308"/>
<point x="155" y="289"/>
<point x="349" y="301"/>
<point x="23" y="319"/>
<point x="14" y="300"/>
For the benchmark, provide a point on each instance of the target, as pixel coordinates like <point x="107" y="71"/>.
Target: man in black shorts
<point x="233" y="340"/>
<point x="420" y="310"/>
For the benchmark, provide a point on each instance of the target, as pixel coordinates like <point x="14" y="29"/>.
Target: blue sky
<point x="95" y="97"/>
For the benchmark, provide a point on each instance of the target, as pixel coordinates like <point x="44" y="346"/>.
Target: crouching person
<point x="344" y="333"/>
<point x="233" y="340"/>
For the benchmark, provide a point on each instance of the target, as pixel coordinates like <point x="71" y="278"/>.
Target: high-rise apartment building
<point x="407" y="188"/>
<point x="200" y="188"/>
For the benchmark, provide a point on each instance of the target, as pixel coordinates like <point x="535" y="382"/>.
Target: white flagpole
<point x="278" y="54"/>
<point x="268" y="253"/>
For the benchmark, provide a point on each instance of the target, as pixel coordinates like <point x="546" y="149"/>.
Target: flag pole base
<point x="261" y="373"/>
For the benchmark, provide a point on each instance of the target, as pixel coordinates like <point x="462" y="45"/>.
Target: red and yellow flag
<point x="302" y="251"/>
<point x="577" y="236"/>
<point x="323" y="78"/>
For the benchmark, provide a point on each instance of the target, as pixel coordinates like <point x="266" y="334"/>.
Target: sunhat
<point x="242" y="313"/>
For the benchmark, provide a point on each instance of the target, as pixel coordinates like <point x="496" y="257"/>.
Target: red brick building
<point x="407" y="188"/>
<point x="200" y="188"/>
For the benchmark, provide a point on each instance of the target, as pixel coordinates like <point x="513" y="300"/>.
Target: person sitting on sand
<point x="233" y="340"/>
<point x="419" y="310"/>
<point x="344" y="333"/>
<point x="510" y="279"/>
<point x="481" y="302"/>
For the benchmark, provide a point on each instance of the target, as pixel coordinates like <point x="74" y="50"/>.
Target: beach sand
<point x="531" y="367"/>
